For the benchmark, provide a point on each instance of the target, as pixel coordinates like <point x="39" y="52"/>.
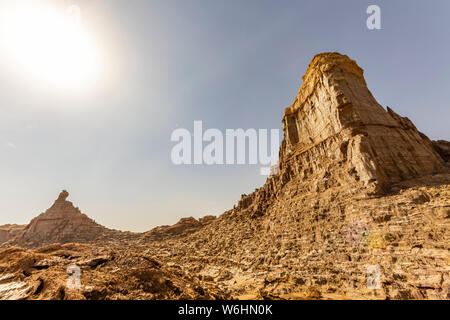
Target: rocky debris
<point x="336" y="134"/>
<point x="319" y="245"/>
<point x="122" y="274"/>
<point x="9" y="231"/>
<point x="95" y="261"/>
<point x="181" y="229"/>
<point x="16" y="290"/>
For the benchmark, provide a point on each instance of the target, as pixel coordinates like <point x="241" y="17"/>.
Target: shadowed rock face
<point x="336" y="135"/>
<point x="9" y="231"/>
<point x="443" y="148"/>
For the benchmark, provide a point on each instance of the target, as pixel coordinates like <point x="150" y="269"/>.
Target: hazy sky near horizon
<point x="164" y="64"/>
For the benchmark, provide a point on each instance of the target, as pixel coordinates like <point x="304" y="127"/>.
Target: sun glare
<point x="51" y="48"/>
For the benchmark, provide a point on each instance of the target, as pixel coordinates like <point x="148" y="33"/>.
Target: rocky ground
<point x="51" y="272"/>
<point x="324" y="245"/>
<point x="359" y="208"/>
<point x="321" y="250"/>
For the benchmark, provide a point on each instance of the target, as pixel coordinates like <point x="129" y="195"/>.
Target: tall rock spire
<point x="337" y="136"/>
<point x="334" y="107"/>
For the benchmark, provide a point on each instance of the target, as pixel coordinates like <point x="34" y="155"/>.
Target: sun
<point x="50" y="47"/>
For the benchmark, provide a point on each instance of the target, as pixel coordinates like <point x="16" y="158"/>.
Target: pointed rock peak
<point x="63" y="196"/>
<point x="323" y="62"/>
<point x="335" y="124"/>
<point x="62" y="206"/>
<point x="61" y="223"/>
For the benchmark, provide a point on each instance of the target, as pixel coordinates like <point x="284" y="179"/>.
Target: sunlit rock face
<point x="336" y="136"/>
<point x="335" y="116"/>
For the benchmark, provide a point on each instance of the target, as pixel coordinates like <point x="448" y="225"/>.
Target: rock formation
<point x="358" y="189"/>
<point x="335" y="116"/>
<point x="338" y="136"/>
<point x="10" y="231"/>
<point x="61" y="223"/>
<point x="182" y="228"/>
<point x="358" y="209"/>
<point x="443" y="148"/>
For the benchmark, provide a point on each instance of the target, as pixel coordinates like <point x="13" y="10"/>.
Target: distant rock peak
<point x="63" y="196"/>
<point x="61" y="223"/>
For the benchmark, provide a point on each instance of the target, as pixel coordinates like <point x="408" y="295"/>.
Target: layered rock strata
<point x="335" y="112"/>
<point x="10" y="231"/>
<point x="337" y="135"/>
<point x="61" y="223"/>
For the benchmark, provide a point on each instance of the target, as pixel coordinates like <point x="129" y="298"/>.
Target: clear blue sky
<point x="231" y="64"/>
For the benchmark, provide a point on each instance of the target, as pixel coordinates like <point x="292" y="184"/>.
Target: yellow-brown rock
<point x="61" y="223"/>
<point x="335" y="116"/>
<point x="9" y="231"/>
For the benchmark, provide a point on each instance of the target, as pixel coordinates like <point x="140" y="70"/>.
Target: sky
<point x="96" y="117"/>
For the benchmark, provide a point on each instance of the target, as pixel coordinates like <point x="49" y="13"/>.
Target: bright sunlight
<point x="51" y="47"/>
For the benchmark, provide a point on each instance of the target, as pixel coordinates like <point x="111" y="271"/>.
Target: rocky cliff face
<point x="105" y="273"/>
<point x="337" y="136"/>
<point x="10" y="231"/>
<point x="335" y="116"/>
